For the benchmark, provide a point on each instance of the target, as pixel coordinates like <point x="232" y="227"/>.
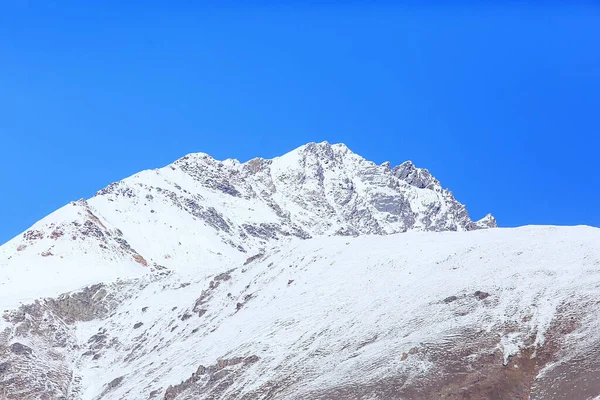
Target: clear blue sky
<point x="501" y="102"/>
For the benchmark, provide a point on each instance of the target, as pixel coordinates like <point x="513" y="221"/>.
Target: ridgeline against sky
<point x="499" y="102"/>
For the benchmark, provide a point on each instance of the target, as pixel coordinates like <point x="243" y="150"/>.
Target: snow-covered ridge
<point x="198" y="213"/>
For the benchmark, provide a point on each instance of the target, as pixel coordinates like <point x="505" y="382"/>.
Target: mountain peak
<point x="486" y="222"/>
<point x="199" y="208"/>
<point x="164" y="263"/>
<point x="323" y="148"/>
<point x="418" y="177"/>
<point x="323" y="189"/>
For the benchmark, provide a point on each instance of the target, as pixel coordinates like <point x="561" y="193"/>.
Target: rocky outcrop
<point x="212" y="381"/>
<point x="43" y="369"/>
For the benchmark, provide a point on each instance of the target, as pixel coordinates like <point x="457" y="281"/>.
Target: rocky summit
<point x="314" y="275"/>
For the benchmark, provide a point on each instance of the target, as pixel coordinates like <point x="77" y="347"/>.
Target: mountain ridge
<point x="199" y="208"/>
<point x="407" y="171"/>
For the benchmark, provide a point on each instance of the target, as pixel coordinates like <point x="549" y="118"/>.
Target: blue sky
<point x="501" y="102"/>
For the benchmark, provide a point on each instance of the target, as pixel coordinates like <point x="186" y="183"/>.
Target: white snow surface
<point x="335" y="310"/>
<point x="47" y="266"/>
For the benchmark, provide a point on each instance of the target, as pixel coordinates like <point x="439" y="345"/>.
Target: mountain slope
<point x="503" y="313"/>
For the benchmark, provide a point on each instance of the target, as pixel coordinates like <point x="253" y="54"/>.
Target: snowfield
<point x="342" y="311"/>
<point x="322" y="314"/>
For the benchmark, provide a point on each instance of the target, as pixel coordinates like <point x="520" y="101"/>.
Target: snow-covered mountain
<point x="315" y="275"/>
<point x="198" y="214"/>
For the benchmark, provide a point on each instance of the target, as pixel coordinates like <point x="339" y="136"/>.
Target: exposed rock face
<point x="212" y="381"/>
<point x="46" y="370"/>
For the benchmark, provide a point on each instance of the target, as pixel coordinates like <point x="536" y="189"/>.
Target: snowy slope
<point x="323" y="315"/>
<point x="70" y="248"/>
<point x="501" y="313"/>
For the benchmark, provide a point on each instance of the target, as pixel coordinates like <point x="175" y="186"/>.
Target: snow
<point x="26" y="275"/>
<point x="387" y="292"/>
